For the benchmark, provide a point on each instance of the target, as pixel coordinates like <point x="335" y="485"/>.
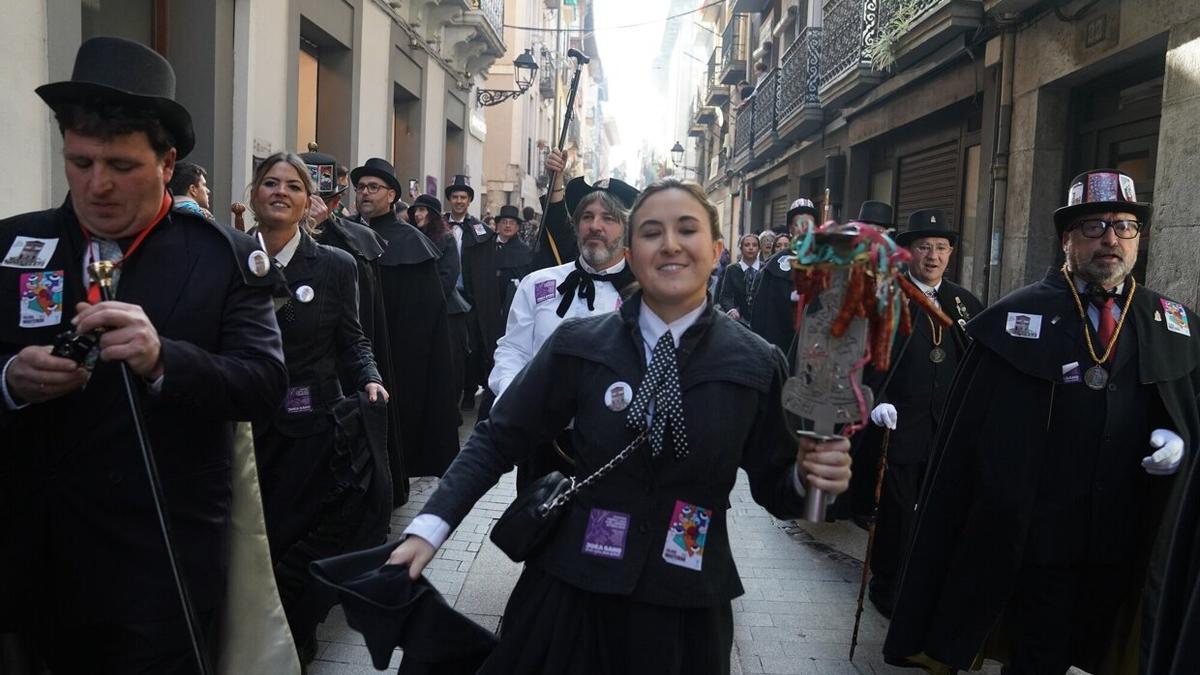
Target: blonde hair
<point x="692" y="189"/>
<point x="260" y="174"/>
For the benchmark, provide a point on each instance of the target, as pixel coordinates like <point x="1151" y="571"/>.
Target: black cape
<point x="489" y="283"/>
<point x="981" y="484"/>
<point x="774" y="313"/>
<point x="557" y="223"/>
<point x="418" y="331"/>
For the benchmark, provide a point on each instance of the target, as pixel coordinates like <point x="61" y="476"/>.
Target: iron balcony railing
<point x="764" y="100"/>
<point x="800" y="81"/>
<point x="850" y="29"/>
<point x="493" y="11"/>
<point x="733" y="50"/>
<point x="743" y="131"/>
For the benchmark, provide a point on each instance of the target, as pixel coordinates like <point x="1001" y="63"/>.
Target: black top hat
<point x="381" y="169"/>
<point x="876" y="213"/>
<point x="509" y="211"/>
<point x="323" y="170"/>
<point x="926" y="223"/>
<point x="428" y="201"/>
<point x="460" y="183"/>
<point x="578" y="188"/>
<point x="802" y="205"/>
<point x="115" y="70"/>
<point x="1098" y="191"/>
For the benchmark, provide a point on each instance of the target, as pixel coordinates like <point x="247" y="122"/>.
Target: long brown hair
<point x="260" y="174"/>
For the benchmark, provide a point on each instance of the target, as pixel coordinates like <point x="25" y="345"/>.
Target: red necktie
<point x="1108" y="324"/>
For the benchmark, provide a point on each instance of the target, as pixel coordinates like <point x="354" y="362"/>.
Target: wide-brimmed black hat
<point x="381" y="169"/>
<point x="114" y="70"/>
<point x="926" y="223"/>
<point x="433" y="204"/>
<point x="323" y="170"/>
<point x="876" y="213"/>
<point x="509" y="211"/>
<point x="578" y="188"/>
<point x="1099" y="191"/>
<point x="460" y="183"/>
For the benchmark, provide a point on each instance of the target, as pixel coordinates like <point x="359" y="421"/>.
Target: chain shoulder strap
<point x="576" y="486"/>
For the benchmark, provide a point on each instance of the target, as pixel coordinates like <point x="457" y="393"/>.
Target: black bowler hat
<point x="926" y="223"/>
<point x="578" y="188"/>
<point x="460" y="183"/>
<point x="876" y="213"/>
<point x="114" y="70"/>
<point x="1099" y="191"/>
<point x="391" y="610"/>
<point x="509" y="211"/>
<point x="433" y="204"/>
<point x="379" y="168"/>
<point x="323" y="170"/>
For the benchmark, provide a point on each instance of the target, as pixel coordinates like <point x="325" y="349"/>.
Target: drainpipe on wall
<point x="1000" y="157"/>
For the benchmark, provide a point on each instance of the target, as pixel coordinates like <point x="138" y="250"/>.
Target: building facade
<point x="360" y="78"/>
<point x="984" y="109"/>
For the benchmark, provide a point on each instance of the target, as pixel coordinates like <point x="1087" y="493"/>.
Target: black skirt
<point x="551" y="627"/>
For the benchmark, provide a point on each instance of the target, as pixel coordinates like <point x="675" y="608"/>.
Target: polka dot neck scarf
<point x="660" y="388"/>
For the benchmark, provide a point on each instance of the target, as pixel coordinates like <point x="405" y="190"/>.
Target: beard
<point x="1103" y="272"/>
<point x="597" y="252"/>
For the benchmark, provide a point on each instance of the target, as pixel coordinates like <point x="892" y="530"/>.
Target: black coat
<point x="981" y="486"/>
<point x="774" y="315"/>
<point x="449" y="266"/>
<point x="730" y="383"/>
<point x="491" y="283"/>
<point x="424" y="397"/>
<point x="734" y="293"/>
<point x="79" y="540"/>
<point x="557" y="224"/>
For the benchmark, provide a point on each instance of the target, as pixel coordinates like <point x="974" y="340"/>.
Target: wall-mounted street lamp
<point x="526" y="69"/>
<point x="677" y="159"/>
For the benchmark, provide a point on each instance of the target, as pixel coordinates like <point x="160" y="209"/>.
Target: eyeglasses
<point x="926" y="249"/>
<point x="1093" y="228"/>
<point x="369" y="188"/>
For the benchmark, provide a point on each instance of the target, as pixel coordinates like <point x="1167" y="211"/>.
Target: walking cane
<point x="581" y="60"/>
<point x="862" y="588"/>
<point x="101" y="273"/>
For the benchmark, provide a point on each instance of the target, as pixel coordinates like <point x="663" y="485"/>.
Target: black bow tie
<point x="583" y="283"/>
<point x="1098" y="295"/>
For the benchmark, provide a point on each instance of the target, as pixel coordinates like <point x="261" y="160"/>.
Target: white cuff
<point x="797" y="481"/>
<point x="430" y="528"/>
<point x="155" y="386"/>
<point x="8" y="399"/>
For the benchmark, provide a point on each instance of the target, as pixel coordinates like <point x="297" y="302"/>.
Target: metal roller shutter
<point x="929" y="180"/>
<point x="779" y="208"/>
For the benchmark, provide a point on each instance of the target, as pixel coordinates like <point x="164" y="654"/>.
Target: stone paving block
<point x="753" y="619"/>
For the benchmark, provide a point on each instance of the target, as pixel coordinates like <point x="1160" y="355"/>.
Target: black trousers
<point x="153" y="648"/>
<point x="475" y="373"/>
<point x="893" y="525"/>
<point x="460" y="349"/>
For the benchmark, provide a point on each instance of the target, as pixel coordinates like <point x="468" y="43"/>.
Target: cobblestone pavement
<point x="796" y="617"/>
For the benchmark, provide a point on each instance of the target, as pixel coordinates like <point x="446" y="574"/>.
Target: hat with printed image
<point x="1100" y="191"/>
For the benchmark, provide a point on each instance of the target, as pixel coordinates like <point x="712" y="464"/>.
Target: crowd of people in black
<point x="192" y="411"/>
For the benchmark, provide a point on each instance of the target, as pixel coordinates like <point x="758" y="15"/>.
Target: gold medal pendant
<point x="1095" y="377"/>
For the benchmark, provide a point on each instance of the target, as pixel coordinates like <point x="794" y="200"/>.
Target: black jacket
<point x="559" y="227"/>
<point x="449" y="267"/>
<point x="731" y="383"/>
<point x="489" y="281"/>
<point x="79" y="541"/>
<point x="734" y="293"/>
<point x="774" y="311"/>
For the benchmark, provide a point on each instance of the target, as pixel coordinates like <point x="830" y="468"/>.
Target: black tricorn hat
<point x="509" y="211"/>
<point x="114" y="70"/>
<point x="578" y="188"/>
<point x="391" y="610"/>
<point x="1099" y="191"/>
<point x="381" y="169"/>
<point x="430" y="202"/>
<point x="460" y="183"/>
<point x="876" y="213"/>
<point x="322" y="168"/>
<point x="926" y="223"/>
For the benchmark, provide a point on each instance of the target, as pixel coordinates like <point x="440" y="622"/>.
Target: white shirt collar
<point x="653" y="327"/>
<point x="756" y="264"/>
<point x="611" y="270"/>
<point x="1081" y="286"/>
<point x="924" y="288"/>
<point x="284" y="257"/>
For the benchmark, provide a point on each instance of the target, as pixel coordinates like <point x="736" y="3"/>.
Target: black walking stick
<point x="581" y="60"/>
<point x="862" y="589"/>
<point x="102" y="274"/>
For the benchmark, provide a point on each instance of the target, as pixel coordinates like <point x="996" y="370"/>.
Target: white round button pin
<point x="618" y="396"/>
<point x="259" y="264"/>
<point x="305" y="294"/>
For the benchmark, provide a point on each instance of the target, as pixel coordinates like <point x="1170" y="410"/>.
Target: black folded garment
<point x="391" y="610"/>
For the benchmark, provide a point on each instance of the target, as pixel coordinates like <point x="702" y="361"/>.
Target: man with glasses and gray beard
<point x="589" y="285"/>
<point x="1048" y="482"/>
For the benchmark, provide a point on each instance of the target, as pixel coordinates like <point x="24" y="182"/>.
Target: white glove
<point x="884" y="415"/>
<point x="1168" y="453"/>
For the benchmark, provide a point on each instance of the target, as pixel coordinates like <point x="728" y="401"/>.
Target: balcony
<point x="800" y="87"/>
<point x="743" y="136"/>
<point x="935" y="23"/>
<point x="734" y="50"/>
<point x="765" y="114"/>
<point x="715" y="93"/>
<point x="850" y="28"/>
<point x="749" y="6"/>
<point x="467" y="33"/>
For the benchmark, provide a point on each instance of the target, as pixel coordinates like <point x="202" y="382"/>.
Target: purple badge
<point x="605" y="535"/>
<point x="299" y="400"/>
<point x="544" y="290"/>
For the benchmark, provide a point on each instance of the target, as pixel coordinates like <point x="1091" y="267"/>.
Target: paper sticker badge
<point x="1176" y="315"/>
<point x="1028" y="326"/>
<point x="687" y="535"/>
<point x="605" y="536"/>
<point x="544" y="290"/>
<point x="480" y="229"/>
<point x="41" y="299"/>
<point x="1072" y="373"/>
<point x="29" y="253"/>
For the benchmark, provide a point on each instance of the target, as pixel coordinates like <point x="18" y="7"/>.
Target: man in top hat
<point x="877" y="213"/>
<point x="417" y="329"/>
<point x="1037" y="523"/>
<point x="774" y="303"/>
<point x="910" y="396"/>
<point x="469" y="232"/>
<point x="85" y="572"/>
